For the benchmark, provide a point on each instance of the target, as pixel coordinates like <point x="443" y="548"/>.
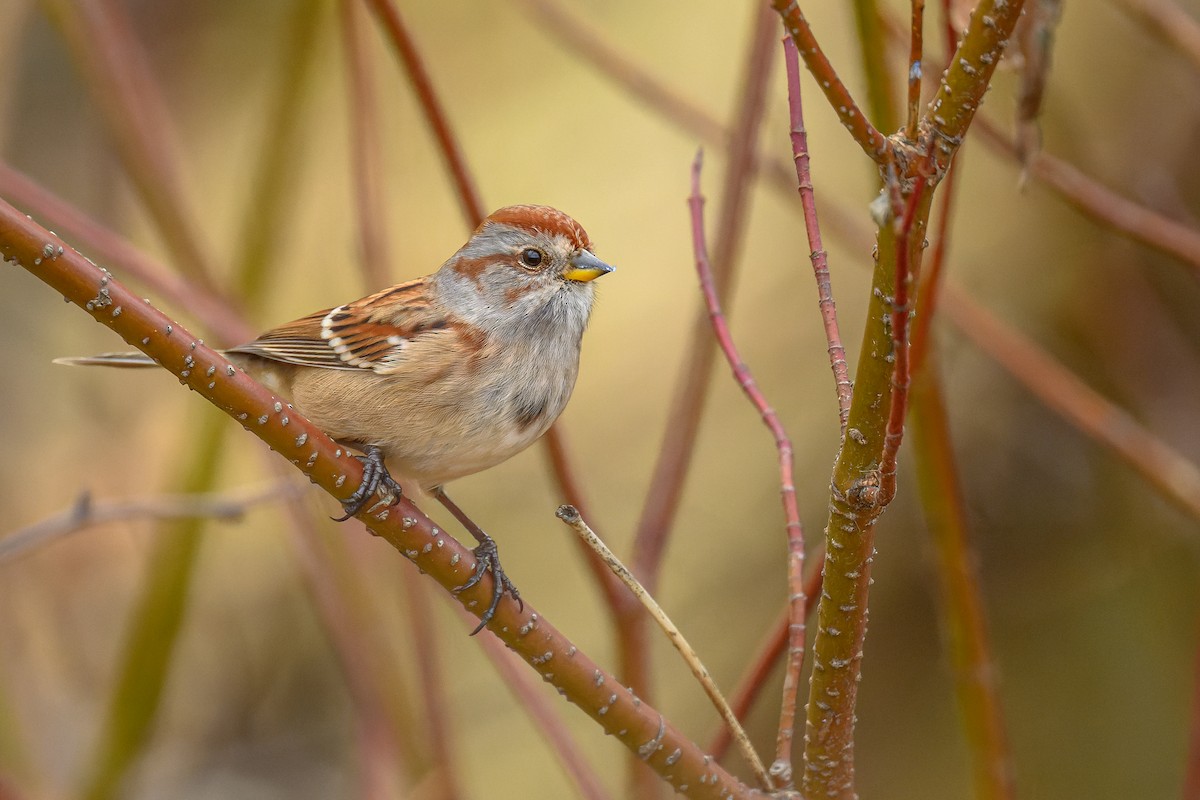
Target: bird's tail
<point x="109" y="360"/>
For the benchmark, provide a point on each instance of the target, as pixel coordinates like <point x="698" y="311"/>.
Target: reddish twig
<point x="872" y="142"/>
<point x="456" y="162"/>
<point x="940" y="487"/>
<point x="901" y="313"/>
<point x="1175" y="477"/>
<point x="622" y="607"/>
<point x="366" y="149"/>
<point x="754" y="678"/>
<point x="432" y="674"/>
<point x="812" y="227"/>
<point x="1093" y="199"/>
<point x="915" y="65"/>
<point x="210" y="309"/>
<point x="113" y="63"/>
<point x="781" y="768"/>
<point x="1170" y="22"/>
<point x="666" y="483"/>
<point x="348" y="622"/>
<point x="585" y="43"/>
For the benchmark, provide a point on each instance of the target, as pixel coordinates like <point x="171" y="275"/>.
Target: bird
<point x="443" y="376"/>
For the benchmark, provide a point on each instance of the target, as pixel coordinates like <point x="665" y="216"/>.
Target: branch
<point x="1175" y="477"/>
<point x="687" y="406"/>
<point x="812" y="227"/>
<point x="635" y="724"/>
<point x="570" y="515"/>
<point x="418" y="77"/>
<point x="872" y="142"/>
<point x="366" y="150"/>
<point x="1095" y="200"/>
<point x="87" y="513"/>
<point x="781" y="767"/>
<point x="113" y="65"/>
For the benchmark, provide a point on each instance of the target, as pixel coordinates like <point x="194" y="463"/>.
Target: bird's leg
<point x="486" y="558"/>
<point x="375" y="477"/>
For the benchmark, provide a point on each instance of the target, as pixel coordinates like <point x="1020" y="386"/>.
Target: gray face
<point x="509" y="281"/>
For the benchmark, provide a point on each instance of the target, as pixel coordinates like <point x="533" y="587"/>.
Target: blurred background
<point x="1088" y="575"/>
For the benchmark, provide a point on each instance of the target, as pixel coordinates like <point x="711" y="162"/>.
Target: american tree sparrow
<point x="446" y="375"/>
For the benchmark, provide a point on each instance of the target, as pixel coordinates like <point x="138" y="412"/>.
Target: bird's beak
<point x="585" y="267"/>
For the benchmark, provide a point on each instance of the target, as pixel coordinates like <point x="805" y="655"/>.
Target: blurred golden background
<point x="1089" y="577"/>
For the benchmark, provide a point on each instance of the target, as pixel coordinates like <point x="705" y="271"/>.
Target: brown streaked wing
<point x="371" y="333"/>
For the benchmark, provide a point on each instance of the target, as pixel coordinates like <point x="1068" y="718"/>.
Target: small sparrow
<point x="442" y="376"/>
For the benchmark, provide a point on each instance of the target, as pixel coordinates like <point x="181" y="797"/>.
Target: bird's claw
<point x="487" y="558"/>
<point x="375" y="477"/>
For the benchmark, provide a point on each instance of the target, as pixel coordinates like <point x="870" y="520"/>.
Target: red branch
<point x="435" y="115"/>
<point x="873" y="143"/>
<point x="915" y="65"/>
<point x="782" y="766"/>
<point x="754" y="679"/>
<point x="817" y="254"/>
<point x="900" y="316"/>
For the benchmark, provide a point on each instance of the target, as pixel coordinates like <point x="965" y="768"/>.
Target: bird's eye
<point x="531" y="257"/>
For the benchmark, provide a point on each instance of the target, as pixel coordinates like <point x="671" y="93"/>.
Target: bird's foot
<point x="487" y="558"/>
<point x="376" y="478"/>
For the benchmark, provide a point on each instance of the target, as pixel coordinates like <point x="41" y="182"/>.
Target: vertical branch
<point x="872" y="48"/>
<point x="915" y="66"/>
<point x="942" y="501"/>
<point x="418" y="77"/>
<point x="781" y="768"/>
<point x="754" y="679"/>
<point x="907" y="248"/>
<point x="113" y="65"/>
<point x="666" y="484"/>
<point x="812" y="227"/>
<point x="366" y="149"/>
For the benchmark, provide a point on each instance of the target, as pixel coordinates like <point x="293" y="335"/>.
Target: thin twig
<point x="781" y="767"/>
<point x="414" y="67"/>
<point x="900" y="315"/>
<point x="366" y="150"/>
<point x="1118" y="214"/>
<point x="86" y="513"/>
<point x="1174" y="476"/>
<point x="207" y="307"/>
<point x="942" y="499"/>
<point x="687" y="405"/>
<point x="473" y="211"/>
<point x="586" y="43"/>
<point x="1170" y="22"/>
<point x="872" y="142"/>
<point x="915" y="64"/>
<point x="350" y="622"/>
<point x="570" y="515"/>
<point x="431" y="674"/>
<point x="812" y="227"/>
<point x="754" y="678"/>
<point x="114" y="65"/>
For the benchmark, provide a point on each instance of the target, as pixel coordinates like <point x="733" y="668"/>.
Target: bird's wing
<point x="375" y="333"/>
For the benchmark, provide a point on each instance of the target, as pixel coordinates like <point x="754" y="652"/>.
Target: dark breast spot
<point x="529" y="411"/>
